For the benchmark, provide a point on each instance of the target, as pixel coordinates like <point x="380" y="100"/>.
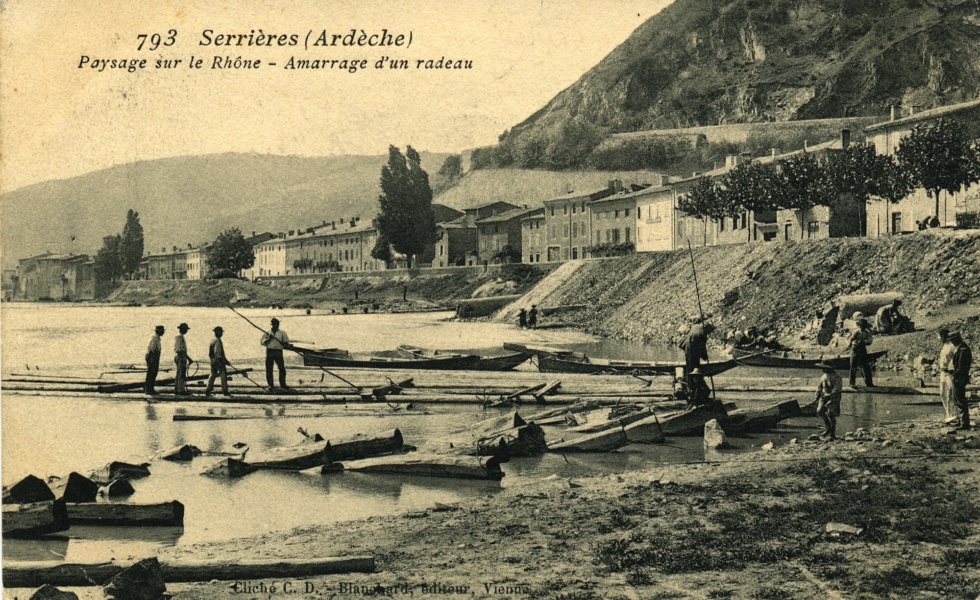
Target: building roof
<point x="260" y="237"/>
<point x="445" y="213"/>
<point x="925" y="115"/>
<point x="633" y="193"/>
<point x="509" y="215"/>
<point x="590" y="195"/>
<point x="464" y="222"/>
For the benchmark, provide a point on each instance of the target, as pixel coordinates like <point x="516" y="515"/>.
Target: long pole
<point x="249" y="321"/>
<point x="697" y="291"/>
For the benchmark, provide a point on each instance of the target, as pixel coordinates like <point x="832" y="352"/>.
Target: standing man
<point x="153" y="352"/>
<point x="532" y="316"/>
<point x="829" y="390"/>
<point x="859" y="342"/>
<point x="695" y="346"/>
<point x="945" y="364"/>
<point x="522" y="318"/>
<point x="219" y="364"/>
<point x="275" y="341"/>
<point x="182" y="360"/>
<point x="962" y="361"/>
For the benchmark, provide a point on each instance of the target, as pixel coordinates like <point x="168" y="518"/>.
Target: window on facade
<point x="615" y="214"/>
<point x="564" y="231"/>
<point x="566" y="210"/>
<point x="574" y="253"/>
<point x="574" y="230"/>
<point x="721" y="224"/>
<point x="627" y="231"/>
<point x="552" y="211"/>
<point x="626" y="212"/>
<point x="638" y="211"/>
<point x="573" y="209"/>
<point x="812" y="229"/>
<point x="615" y="236"/>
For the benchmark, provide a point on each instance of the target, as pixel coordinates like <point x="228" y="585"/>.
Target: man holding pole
<point x="219" y="364"/>
<point x="275" y="340"/>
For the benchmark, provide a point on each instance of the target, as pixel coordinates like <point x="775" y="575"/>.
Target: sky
<point x="60" y="118"/>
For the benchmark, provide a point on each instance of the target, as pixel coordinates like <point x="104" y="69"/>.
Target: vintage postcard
<point x="555" y="299"/>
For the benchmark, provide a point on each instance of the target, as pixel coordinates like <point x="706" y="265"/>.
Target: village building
<point x="56" y="277"/>
<point x="499" y="237"/>
<point x="613" y="223"/>
<point x="166" y="264"/>
<point x="656" y="217"/>
<point x="455" y="240"/>
<point x="567" y="230"/>
<point x="885" y="218"/>
<point x="196" y="261"/>
<point x="533" y="237"/>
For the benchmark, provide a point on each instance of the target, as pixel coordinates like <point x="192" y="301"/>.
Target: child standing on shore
<point x="828" y="400"/>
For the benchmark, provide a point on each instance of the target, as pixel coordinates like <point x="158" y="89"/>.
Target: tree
<point x="858" y="173"/>
<point x="229" y="254"/>
<point x="405" y="218"/>
<point x="750" y="186"/>
<point x="382" y="250"/>
<point x="703" y="201"/>
<point x="939" y="157"/>
<point x="108" y="266"/>
<point x="131" y="244"/>
<point x="798" y="184"/>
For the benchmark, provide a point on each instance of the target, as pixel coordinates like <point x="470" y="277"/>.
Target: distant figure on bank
<point x="532" y="316"/>
<point x="219" y="364"/>
<point x="934" y="221"/>
<point x="945" y="364"/>
<point x="829" y="390"/>
<point x="275" y="341"/>
<point x="182" y="360"/>
<point x="859" y="342"/>
<point x="522" y="319"/>
<point x="962" y="361"/>
<point x="153" y="352"/>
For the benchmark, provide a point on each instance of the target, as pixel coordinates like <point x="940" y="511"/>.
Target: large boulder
<point x="28" y="490"/>
<point x="142" y="581"/>
<point x="75" y="488"/>
<point x="714" y="435"/>
<point x="49" y="592"/>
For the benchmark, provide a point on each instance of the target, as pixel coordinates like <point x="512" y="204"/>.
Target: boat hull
<point x="795" y="360"/>
<point x="433" y="465"/>
<point x="550" y="363"/>
<point x="339" y="360"/>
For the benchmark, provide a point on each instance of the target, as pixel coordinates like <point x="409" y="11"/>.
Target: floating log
<point x="745" y="420"/>
<point x="119" y="470"/>
<point x="363" y="446"/>
<point x="392" y="389"/>
<point x="645" y="430"/>
<point x="549" y="388"/>
<point x="425" y="465"/>
<point x="229" y="468"/>
<point x="32" y="575"/>
<point x="34" y="519"/>
<point x="528" y="391"/>
<point x="692" y="420"/>
<point x="118" y="489"/>
<point x="179" y="453"/>
<point x="126" y="514"/>
<point x="290" y="458"/>
<point x="76" y="488"/>
<point x="607" y="420"/>
<point x="135" y="385"/>
<point x="28" y="490"/>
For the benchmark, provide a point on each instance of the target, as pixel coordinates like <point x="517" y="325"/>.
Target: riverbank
<point x="887" y="512"/>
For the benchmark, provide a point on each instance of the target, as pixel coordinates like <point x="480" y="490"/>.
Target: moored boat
<point x="579" y="363"/>
<point x="489" y="359"/>
<point x="344" y="359"/>
<point x="791" y="359"/>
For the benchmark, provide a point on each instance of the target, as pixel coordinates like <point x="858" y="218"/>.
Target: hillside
<point x="190" y="199"/>
<point x="712" y="62"/>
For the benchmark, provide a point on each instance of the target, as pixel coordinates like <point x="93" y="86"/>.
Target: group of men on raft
<point x="275" y="341"/>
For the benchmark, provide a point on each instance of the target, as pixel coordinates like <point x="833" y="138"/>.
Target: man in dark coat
<point x="695" y="345"/>
<point x="153" y="361"/>
<point x="859" y="342"/>
<point x="962" y="361"/>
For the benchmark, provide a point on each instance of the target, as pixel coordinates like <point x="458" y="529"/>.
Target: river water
<point x="45" y="435"/>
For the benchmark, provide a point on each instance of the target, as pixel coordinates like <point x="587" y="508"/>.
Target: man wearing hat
<point x="182" y="360"/>
<point x="219" y="364"/>
<point x="945" y="365"/>
<point x="859" y="342"/>
<point x="961" y="363"/>
<point x="275" y="340"/>
<point x="153" y="352"/>
<point x="829" y="390"/>
<point x="700" y="393"/>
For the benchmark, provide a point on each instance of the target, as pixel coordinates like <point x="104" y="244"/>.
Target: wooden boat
<point x="489" y="359"/>
<point x="579" y="363"/>
<point x="745" y="420"/>
<point x="344" y="359"/>
<point x="126" y="514"/>
<point x="34" y="519"/>
<point x="791" y="359"/>
<point x="425" y="465"/>
<point x="691" y="421"/>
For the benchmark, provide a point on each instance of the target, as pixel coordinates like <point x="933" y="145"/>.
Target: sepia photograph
<point x="565" y="299"/>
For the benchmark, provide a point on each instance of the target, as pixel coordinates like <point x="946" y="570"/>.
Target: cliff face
<point x="709" y="62"/>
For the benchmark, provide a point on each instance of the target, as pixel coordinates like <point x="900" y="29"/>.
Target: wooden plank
<point x="35" y="519"/>
<point x="36" y="574"/>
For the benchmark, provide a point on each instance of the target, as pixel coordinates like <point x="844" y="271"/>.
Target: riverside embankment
<point x="780" y="287"/>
